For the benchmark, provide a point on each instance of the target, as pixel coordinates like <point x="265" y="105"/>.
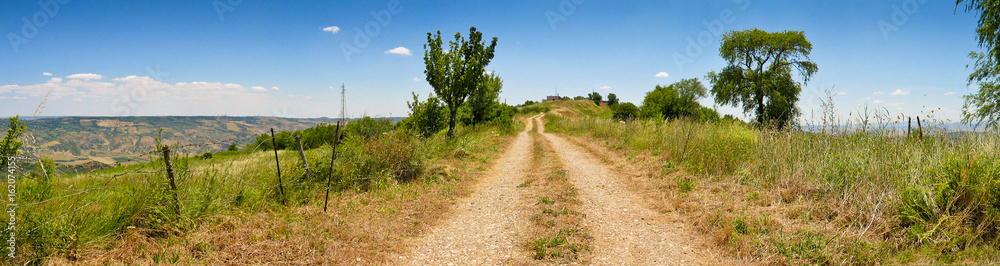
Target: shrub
<point x="625" y="111"/>
<point x="426" y="118"/>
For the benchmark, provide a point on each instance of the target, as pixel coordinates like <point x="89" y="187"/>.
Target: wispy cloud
<point x="899" y="92"/>
<point x="258" y="88"/>
<point x="46" y="74"/>
<point x="332" y="29"/>
<point x="416" y="79"/>
<point x="841" y="93"/>
<point x="275" y="88"/>
<point x="605" y="87"/>
<point x="85" y="76"/>
<point x="399" y="50"/>
<point x="877" y="93"/>
<point x="878" y="101"/>
<point x="950" y="93"/>
<point x="662" y="75"/>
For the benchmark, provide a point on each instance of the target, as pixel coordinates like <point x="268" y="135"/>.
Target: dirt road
<point x="489" y="226"/>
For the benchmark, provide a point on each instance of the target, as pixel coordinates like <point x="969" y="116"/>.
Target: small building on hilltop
<point x="552" y="98"/>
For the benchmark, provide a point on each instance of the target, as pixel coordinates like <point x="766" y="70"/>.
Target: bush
<point x="426" y="118"/>
<point x="960" y="204"/>
<point x="625" y="111"/>
<point x="677" y="100"/>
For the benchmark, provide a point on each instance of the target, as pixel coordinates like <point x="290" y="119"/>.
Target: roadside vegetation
<point x="388" y="181"/>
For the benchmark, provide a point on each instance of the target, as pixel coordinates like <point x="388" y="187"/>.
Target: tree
<point x="759" y="73"/>
<point x="483" y="101"/>
<point x="677" y="100"/>
<point x="612" y="99"/>
<point x="455" y="73"/>
<point x="232" y="147"/>
<point x="577" y="98"/>
<point x="982" y="107"/>
<point x="625" y="111"/>
<point x="596" y="97"/>
<point x="428" y="117"/>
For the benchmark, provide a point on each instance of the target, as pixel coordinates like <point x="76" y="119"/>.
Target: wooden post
<point x="333" y="156"/>
<point x="920" y="128"/>
<point x="274" y="144"/>
<point x="302" y="153"/>
<point x="909" y="125"/>
<point x="170" y="176"/>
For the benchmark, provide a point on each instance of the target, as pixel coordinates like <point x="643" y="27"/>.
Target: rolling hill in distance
<point x="93" y="142"/>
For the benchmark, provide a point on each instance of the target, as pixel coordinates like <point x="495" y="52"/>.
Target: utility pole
<point x="343" y="103"/>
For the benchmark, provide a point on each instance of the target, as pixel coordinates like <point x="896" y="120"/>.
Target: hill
<point x="571" y="108"/>
<point x="91" y="142"/>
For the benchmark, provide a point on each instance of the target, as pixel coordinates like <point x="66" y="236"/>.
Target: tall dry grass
<point x="844" y="196"/>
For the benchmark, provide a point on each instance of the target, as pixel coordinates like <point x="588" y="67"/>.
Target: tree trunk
<point x="451" y="122"/>
<point x="760" y="108"/>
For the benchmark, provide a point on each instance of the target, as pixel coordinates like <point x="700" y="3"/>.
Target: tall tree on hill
<point x="759" y="73"/>
<point x="983" y="107"/>
<point x="596" y="97"/>
<point x="455" y="73"/>
<point x="483" y="100"/>
<point x="612" y="99"/>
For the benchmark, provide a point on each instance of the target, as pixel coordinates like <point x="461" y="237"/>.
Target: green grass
<point x="941" y="191"/>
<point x="76" y="212"/>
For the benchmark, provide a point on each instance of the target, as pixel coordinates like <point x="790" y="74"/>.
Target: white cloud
<point x="55" y="80"/>
<point x="399" y="50"/>
<point x="77" y="100"/>
<point x="605" y="87"/>
<point x="332" y="29"/>
<point x="19" y="98"/>
<point x="877" y="93"/>
<point x="46" y="74"/>
<point x="275" y="88"/>
<point x="85" y="76"/>
<point x="416" y="79"/>
<point x="662" y="75"/>
<point x="878" y="101"/>
<point x="258" y="88"/>
<point x="899" y="92"/>
<point x="950" y="93"/>
<point x="841" y="93"/>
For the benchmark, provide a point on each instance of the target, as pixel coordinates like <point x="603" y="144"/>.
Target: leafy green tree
<point x="759" y="73"/>
<point x="577" y="98"/>
<point x="612" y="99"/>
<point x="624" y="111"/>
<point x="982" y="107"/>
<point x="366" y="127"/>
<point x="596" y="97"/>
<point x="482" y="102"/>
<point x="677" y="100"/>
<point x="10" y="145"/>
<point x="455" y="73"/>
<point x="232" y="147"/>
<point x="428" y="117"/>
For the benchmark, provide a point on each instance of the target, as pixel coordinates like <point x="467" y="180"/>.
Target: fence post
<point x="170" y="176"/>
<point x="909" y="125"/>
<point x="920" y="128"/>
<point x="274" y="144"/>
<point x="333" y="156"/>
<point x="302" y="153"/>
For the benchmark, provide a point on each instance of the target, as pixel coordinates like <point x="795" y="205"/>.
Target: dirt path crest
<point x="487" y="227"/>
<point x="625" y="231"/>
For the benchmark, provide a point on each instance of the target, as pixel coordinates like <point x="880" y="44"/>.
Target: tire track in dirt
<point x="625" y="231"/>
<point x="489" y="226"/>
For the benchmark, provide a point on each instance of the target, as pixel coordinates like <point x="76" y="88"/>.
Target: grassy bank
<point x="385" y="188"/>
<point x="798" y="197"/>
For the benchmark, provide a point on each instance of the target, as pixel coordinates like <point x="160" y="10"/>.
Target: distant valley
<point x="94" y="142"/>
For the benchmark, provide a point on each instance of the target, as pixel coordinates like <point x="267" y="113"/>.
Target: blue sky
<point x="273" y="58"/>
